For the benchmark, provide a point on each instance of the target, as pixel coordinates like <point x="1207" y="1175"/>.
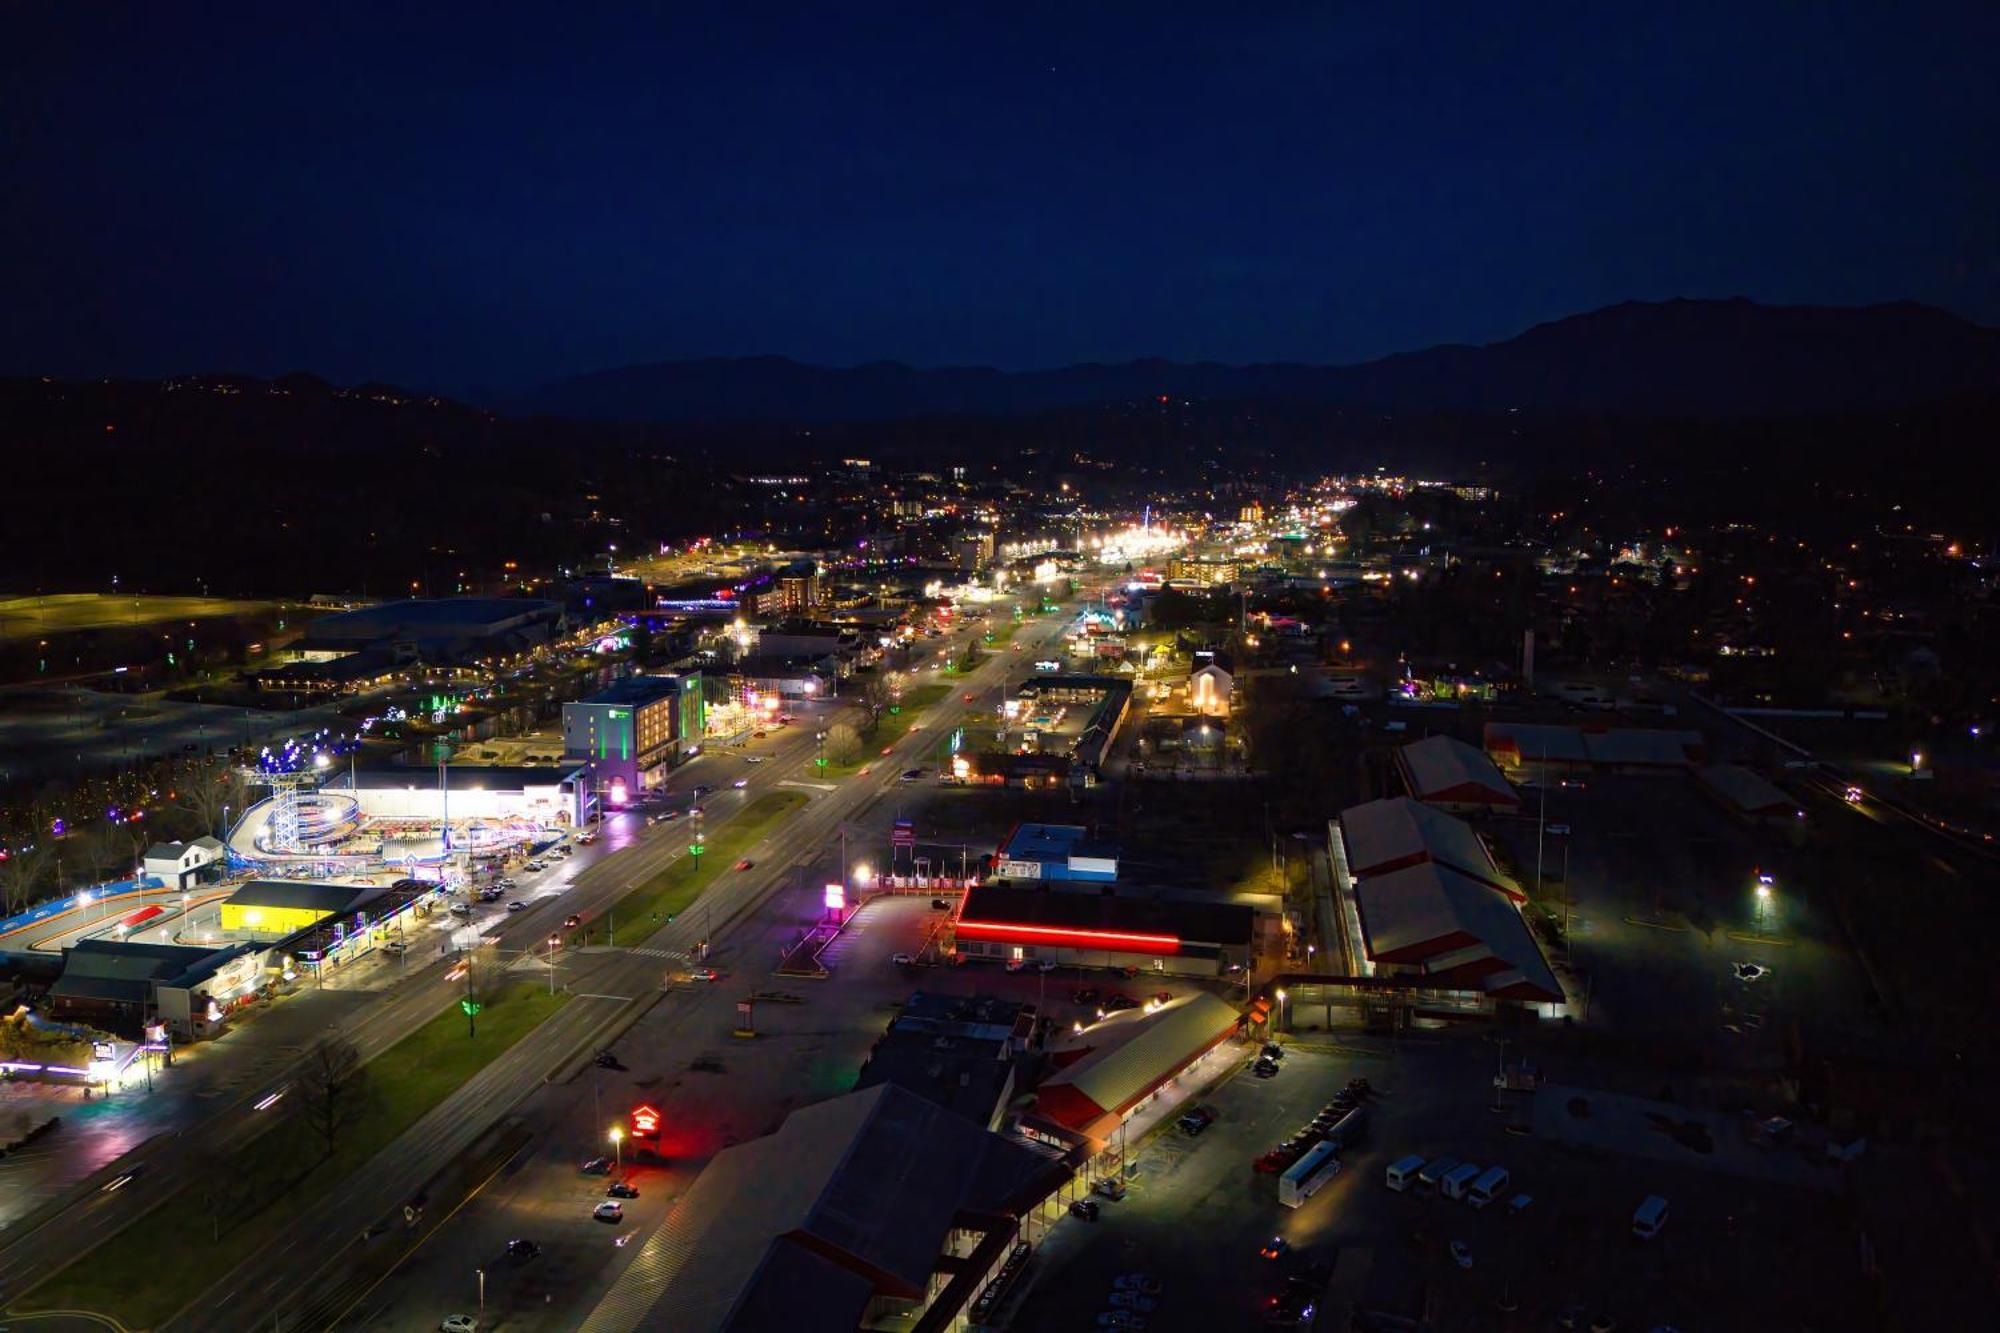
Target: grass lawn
<point x="275" y="1176"/>
<point x="63" y="613"/>
<point x="998" y="636"/>
<point x="668" y="893"/>
<point x="892" y="728"/>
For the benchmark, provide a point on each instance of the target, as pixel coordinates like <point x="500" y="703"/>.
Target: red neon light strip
<point x="1056" y="933"/>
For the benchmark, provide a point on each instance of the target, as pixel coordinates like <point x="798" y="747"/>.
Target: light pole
<point x="482" y="1287"/>
<point x="618" y="1147"/>
<point x="1283" y="1016"/>
<point x="1765" y="885"/>
<point x="552" y="963"/>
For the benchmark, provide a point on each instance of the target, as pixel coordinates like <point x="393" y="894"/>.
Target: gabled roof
<point x="1461" y="932"/>
<point x="850" y="1199"/>
<point x="1384" y="836"/>
<point x="1129" y="1054"/>
<point x="1442" y="768"/>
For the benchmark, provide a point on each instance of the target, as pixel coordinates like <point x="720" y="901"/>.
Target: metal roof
<point x="1445" y="768"/>
<point x="1128" y="1055"/>
<point x="1383" y="836"/>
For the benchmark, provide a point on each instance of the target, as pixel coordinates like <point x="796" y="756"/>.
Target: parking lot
<point x="1197" y="1215"/>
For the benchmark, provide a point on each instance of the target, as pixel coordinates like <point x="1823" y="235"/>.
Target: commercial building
<point x="1535" y="750"/>
<point x="1430" y="906"/>
<point x="439" y="630"/>
<point x="1114" y="1066"/>
<point x="1056" y="852"/>
<point x="1007" y="923"/>
<point x="1203" y="569"/>
<point x="957" y="1051"/>
<point x="1448" y="774"/>
<point x="120" y="987"/>
<point x="1748" y="797"/>
<point x="875" y="1210"/>
<point x="277" y="907"/>
<point x="1389" y="835"/>
<point x="1077" y="716"/>
<point x="181" y="865"/>
<point x="630" y="734"/>
<point x="548" y="795"/>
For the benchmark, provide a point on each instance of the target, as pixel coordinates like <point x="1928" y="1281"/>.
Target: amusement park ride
<point x="300" y="816"/>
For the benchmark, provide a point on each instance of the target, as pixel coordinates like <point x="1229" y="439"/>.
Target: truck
<point x="1304" y="1177"/>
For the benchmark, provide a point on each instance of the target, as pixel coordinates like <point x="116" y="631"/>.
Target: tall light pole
<point x="552" y="963"/>
<point x="618" y="1147"/>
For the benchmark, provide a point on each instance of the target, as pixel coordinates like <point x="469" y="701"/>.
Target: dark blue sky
<point x="491" y="195"/>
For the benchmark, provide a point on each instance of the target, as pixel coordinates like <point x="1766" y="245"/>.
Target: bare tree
<point x="842" y="743"/>
<point x="220" y="1182"/>
<point x="207" y="789"/>
<point x="22" y="874"/>
<point x="332" y="1086"/>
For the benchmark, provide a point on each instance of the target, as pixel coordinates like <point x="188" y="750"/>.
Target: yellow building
<point x="281" y="906"/>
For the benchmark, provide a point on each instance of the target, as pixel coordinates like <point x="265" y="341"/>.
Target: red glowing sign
<point x="645" y="1122"/>
<point x="1064" y="936"/>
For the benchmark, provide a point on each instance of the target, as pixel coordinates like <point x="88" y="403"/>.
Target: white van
<point x="1403" y="1172"/>
<point x="1459" y="1181"/>
<point x="1430" y="1177"/>
<point x="1491" y="1183"/>
<point x="1651" y="1217"/>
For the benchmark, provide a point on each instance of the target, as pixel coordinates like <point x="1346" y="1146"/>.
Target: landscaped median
<point x="652" y="904"/>
<point x="153" y="1268"/>
<point x="892" y="728"/>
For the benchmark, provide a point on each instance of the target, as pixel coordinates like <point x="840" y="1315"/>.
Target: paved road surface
<point x="281" y="1286"/>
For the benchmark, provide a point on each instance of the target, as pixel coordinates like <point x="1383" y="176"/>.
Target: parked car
<point x="1145" y="1283"/>
<point x="1274" y="1248"/>
<point x="396" y="946"/>
<point x="1273" y="1051"/>
<point x="459" y="1323"/>
<point x="903" y="959"/>
<point x="1087" y="995"/>
<point x="1461" y="1254"/>
<point x="1114" y="1003"/>
<point x="597" y="1166"/>
<point x="536" y="865"/>
<point x="517" y="906"/>
<point x="1121" y="1319"/>
<point x="1108" y="1187"/>
<point x="520" y="1251"/>
<point x="609" y="1211"/>
<point x="1086" y="1209"/>
<point x="1263" y="1070"/>
<point x="940" y="905"/>
<point x="1196" y="1120"/>
<point x="622" y="1189"/>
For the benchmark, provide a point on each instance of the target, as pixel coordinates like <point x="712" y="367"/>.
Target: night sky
<point x="490" y="195"/>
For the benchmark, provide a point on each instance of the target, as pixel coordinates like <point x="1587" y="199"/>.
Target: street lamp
<point x="618" y="1147"/>
<point x="863" y="875"/>
<point x="1282" y="1015"/>
<point x="553" y="941"/>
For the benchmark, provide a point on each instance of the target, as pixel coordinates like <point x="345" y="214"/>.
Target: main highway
<point x="292" y="1281"/>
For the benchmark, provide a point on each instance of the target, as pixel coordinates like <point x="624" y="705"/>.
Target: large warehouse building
<point x="1430" y="905"/>
<point x="1116" y="1065"/>
<point x="1097" y="930"/>
<point x="1529" y="750"/>
<point x="1447" y="773"/>
<point x="877" y="1209"/>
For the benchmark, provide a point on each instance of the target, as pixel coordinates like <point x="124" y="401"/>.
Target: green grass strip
<point x="650" y="905"/>
<point x="155" y="1267"/>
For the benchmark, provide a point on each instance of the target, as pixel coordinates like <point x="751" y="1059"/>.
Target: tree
<point x="207" y="789"/>
<point x="843" y="743"/>
<point x="223" y="1189"/>
<point x="22" y="874"/>
<point x="331" y="1085"/>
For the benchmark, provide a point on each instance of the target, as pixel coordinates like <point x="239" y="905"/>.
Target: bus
<point x="1306" y="1175"/>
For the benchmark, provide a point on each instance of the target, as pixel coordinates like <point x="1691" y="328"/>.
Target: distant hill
<point x="1731" y="358"/>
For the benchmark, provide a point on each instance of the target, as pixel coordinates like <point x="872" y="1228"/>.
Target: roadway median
<point x="656" y="901"/>
<point x="144" y="1274"/>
